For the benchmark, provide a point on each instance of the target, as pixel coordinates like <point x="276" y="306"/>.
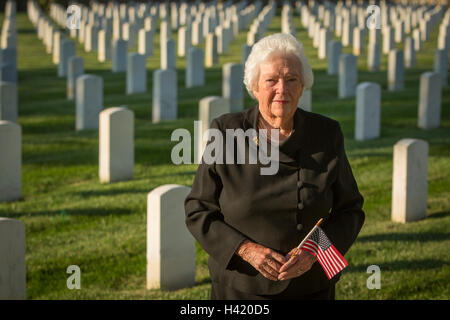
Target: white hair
<point x="264" y="48"/>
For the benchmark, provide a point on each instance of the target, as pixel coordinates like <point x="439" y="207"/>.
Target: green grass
<point x="71" y="218"/>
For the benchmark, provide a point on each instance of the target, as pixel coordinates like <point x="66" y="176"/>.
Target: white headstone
<point x="374" y="57"/>
<point x="409" y="181"/>
<point x="8" y="101"/>
<point x="75" y="68"/>
<point x="136" y="73"/>
<point x="184" y="41"/>
<point x="91" y="38"/>
<point x="417" y="40"/>
<point x="348" y="75"/>
<point x="170" y="246"/>
<point x="57" y="41"/>
<point x="395" y="70"/>
<point x="245" y="52"/>
<point x="195" y="68"/>
<point x="388" y="39"/>
<point x="197" y="33"/>
<point x="209" y="108"/>
<point x="325" y="37"/>
<point x="10" y="161"/>
<point x="399" y="31"/>
<point x="168" y="55"/>
<point x="334" y="52"/>
<point x="358" y="41"/>
<point x="368" y="111"/>
<point x="347" y="33"/>
<point x="410" y="53"/>
<point x="164" y="95"/>
<point x="430" y="95"/>
<point x="305" y="101"/>
<point x="119" y="55"/>
<point x="441" y="65"/>
<point x="13" y="281"/>
<point x="145" y="46"/>
<point x="67" y="51"/>
<point x="89" y="101"/>
<point x="116" y="144"/>
<point x="232" y="85"/>
<point x="211" y="57"/>
<point x="104" y="46"/>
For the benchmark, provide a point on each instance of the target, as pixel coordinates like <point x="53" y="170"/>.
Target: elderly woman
<point x="248" y="222"/>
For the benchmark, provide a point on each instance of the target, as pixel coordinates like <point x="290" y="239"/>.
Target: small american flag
<point x="329" y="258"/>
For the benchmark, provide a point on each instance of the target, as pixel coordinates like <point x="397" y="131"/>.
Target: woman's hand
<point x="267" y="261"/>
<point x="296" y="265"/>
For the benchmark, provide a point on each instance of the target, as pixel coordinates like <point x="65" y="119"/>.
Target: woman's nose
<point x="281" y="86"/>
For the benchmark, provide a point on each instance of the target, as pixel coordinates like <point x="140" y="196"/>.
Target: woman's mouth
<point x="281" y="101"/>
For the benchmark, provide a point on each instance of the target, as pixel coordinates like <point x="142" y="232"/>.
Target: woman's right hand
<point x="267" y="261"/>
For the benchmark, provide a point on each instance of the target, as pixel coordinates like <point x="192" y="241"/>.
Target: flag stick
<point x="306" y="238"/>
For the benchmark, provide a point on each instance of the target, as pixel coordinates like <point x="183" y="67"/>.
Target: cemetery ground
<point x="73" y="219"/>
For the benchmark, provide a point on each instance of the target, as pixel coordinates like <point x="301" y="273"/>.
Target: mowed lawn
<point x="72" y="219"/>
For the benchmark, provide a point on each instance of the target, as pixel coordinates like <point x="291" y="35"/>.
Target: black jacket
<point x="229" y="203"/>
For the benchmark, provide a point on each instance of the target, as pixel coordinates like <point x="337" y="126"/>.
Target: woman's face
<point x="279" y="86"/>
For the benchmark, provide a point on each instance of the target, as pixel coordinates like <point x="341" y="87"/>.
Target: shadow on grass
<point x="26" y="30"/>
<point x="407" y="237"/>
<point x="400" y="265"/>
<point x="68" y="212"/>
<point x="111" y="192"/>
<point x="438" y="215"/>
<point x="204" y="281"/>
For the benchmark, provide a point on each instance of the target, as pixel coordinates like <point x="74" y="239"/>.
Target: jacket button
<point x="299" y="227"/>
<point x="300" y="206"/>
<point x="299" y="184"/>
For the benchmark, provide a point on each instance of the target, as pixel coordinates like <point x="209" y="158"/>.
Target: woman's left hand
<point x="296" y="265"/>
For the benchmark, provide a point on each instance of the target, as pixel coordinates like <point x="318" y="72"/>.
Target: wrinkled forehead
<point x="280" y="61"/>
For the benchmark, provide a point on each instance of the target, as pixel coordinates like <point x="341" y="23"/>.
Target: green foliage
<point x="71" y="218"/>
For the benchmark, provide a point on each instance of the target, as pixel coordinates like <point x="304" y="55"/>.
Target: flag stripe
<point x="324" y="261"/>
<point x="321" y="259"/>
<point x="329" y="257"/>
<point x="341" y="258"/>
<point x="312" y="247"/>
<point x="330" y="263"/>
<point x="325" y="267"/>
<point x="335" y="256"/>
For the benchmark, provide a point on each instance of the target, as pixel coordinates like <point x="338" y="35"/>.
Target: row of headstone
<point x="287" y="24"/>
<point x="409" y="195"/>
<point x="8" y="65"/>
<point x="11" y="146"/>
<point x="410" y="155"/>
<point x="368" y="106"/>
<point x="61" y="49"/>
<point x="9" y="32"/>
<point x="217" y="42"/>
<point x="305" y="101"/>
<point x="222" y="22"/>
<point x="261" y="23"/>
<point x="319" y="26"/>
